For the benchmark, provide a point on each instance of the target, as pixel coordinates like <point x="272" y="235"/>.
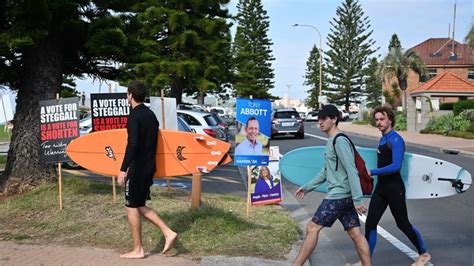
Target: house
<point x="443" y="55"/>
<point x="440" y="55"/>
<point x="446" y="85"/>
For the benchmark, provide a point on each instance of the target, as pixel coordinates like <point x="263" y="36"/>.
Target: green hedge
<point x="449" y="122"/>
<point x="446" y="106"/>
<point x="463" y="105"/>
<point x="400" y="121"/>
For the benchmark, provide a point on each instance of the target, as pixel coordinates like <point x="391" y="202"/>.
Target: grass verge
<point x="4" y="136"/>
<point x="89" y="218"/>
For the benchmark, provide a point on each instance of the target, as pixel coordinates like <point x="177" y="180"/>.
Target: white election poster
<point x="171" y="118"/>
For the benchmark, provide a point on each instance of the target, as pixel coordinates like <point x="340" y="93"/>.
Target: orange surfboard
<point x="178" y="153"/>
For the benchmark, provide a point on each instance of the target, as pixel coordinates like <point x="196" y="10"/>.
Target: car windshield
<point x="287" y="114"/>
<point x="211" y="120"/>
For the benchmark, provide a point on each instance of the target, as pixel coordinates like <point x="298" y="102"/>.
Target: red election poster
<point x="59" y="125"/>
<point x="109" y="111"/>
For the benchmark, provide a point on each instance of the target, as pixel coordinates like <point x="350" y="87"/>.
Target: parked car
<point x="85" y="125"/>
<point x="312" y="116"/>
<point x="302" y="115"/>
<point x="204" y="123"/>
<point x="287" y="122"/>
<point x="183" y="126"/>
<point x="218" y="110"/>
<point x="344" y="115"/>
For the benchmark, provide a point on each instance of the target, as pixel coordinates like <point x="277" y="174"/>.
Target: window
<point x="432" y="72"/>
<point x="470" y="74"/>
<point x="287" y="114"/>
<point x="189" y="119"/>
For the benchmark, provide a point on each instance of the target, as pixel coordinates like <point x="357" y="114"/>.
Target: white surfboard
<point x="424" y="177"/>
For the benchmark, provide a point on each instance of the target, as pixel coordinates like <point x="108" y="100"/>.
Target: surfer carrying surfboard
<point x="390" y="189"/>
<point x="344" y="197"/>
<point x="137" y="170"/>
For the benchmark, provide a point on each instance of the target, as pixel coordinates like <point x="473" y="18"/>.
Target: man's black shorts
<point x="137" y="188"/>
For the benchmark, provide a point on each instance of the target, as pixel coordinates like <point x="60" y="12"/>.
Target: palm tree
<point x="469" y="40"/>
<point x="397" y="64"/>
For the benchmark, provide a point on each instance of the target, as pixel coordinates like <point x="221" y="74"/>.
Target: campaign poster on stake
<point x="265" y="184"/>
<point x="252" y="138"/>
<point x="109" y="111"/>
<point x="59" y="125"/>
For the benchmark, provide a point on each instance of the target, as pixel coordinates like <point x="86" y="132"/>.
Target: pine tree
<point x="373" y="85"/>
<point x="252" y="51"/>
<point x="350" y="47"/>
<point x="312" y="78"/>
<point x="394" y="43"/>
<point x="183" y="47"/>
<point x="41" y="43"/>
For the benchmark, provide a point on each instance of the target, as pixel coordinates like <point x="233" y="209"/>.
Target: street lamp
<point x="320" y="57"/>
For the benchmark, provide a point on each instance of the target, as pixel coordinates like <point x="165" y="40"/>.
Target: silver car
<point x="204" y="123"/>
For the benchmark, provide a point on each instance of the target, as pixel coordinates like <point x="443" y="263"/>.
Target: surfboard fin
<point x="199" y="138"/>
<point x="203" y="169"/>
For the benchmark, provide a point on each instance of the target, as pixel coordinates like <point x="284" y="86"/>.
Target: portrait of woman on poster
<point x="264" y="181"/>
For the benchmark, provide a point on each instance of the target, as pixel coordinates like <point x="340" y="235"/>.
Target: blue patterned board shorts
<point x="331" y="210"/>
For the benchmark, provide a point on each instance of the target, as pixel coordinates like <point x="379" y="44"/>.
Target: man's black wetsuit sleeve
<point x="133" y="130"/>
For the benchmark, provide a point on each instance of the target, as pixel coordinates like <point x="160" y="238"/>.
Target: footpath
<point x="438" y="142"/>
<point x="16" y="254"/>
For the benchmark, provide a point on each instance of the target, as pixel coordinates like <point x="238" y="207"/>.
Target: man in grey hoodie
<point x="344" y="197"/>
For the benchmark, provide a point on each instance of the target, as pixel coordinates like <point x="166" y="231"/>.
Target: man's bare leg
<point x="136" y="228"/>
<point x="152" y="216"/>
<point x="309" y="243"/>
<point x="422" y="259"/>
<point x="361" y="245"/>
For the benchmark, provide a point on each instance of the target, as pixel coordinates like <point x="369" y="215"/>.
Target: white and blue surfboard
<point x="424" y="177"/>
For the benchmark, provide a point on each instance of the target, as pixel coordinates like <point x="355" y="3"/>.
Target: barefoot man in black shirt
<point x="138" y="168"/>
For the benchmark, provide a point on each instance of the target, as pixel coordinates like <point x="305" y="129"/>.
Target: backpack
<point x="366" y="182"/>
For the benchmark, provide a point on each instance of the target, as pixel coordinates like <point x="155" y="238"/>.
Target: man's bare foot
<point x="422" y="259"/>
<point x="134" y="254"/>
<point x="169" y="241"/>
<point x="171" y="252"/>
<point x="359" y="263"/>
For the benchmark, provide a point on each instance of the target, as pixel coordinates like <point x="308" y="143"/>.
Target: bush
<point x="367" y="116"/>
<point x="401" y="121"/>
<point x="446" y="106"/>
<point x="449" y="122"/>
<point x="463" y="105"/>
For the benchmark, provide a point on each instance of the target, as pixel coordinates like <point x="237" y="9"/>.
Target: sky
<point x="413" y="21"/>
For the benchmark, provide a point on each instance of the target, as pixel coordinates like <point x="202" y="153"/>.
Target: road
<point x="446" y="224"/>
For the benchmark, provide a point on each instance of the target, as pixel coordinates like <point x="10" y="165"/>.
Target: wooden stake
<point x="114" y="186"/>
<point x="196" y="191"/>
<point x="249" y="175"/>
<point x="60" y="184"/>
<point x="114" y="191"/>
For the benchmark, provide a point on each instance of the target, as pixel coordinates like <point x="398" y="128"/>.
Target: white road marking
<point x="382" y="232"/>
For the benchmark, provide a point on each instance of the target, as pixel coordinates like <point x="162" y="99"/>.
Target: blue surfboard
<point x="424" y="177"/>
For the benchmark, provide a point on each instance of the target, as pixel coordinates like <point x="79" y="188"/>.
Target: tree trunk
<point x="40" y="79"/>
<point x="200" y="97"/>
<point x="177" y="90"/>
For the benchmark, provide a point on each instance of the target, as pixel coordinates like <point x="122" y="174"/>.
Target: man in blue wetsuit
<point x="390" y="189"/>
